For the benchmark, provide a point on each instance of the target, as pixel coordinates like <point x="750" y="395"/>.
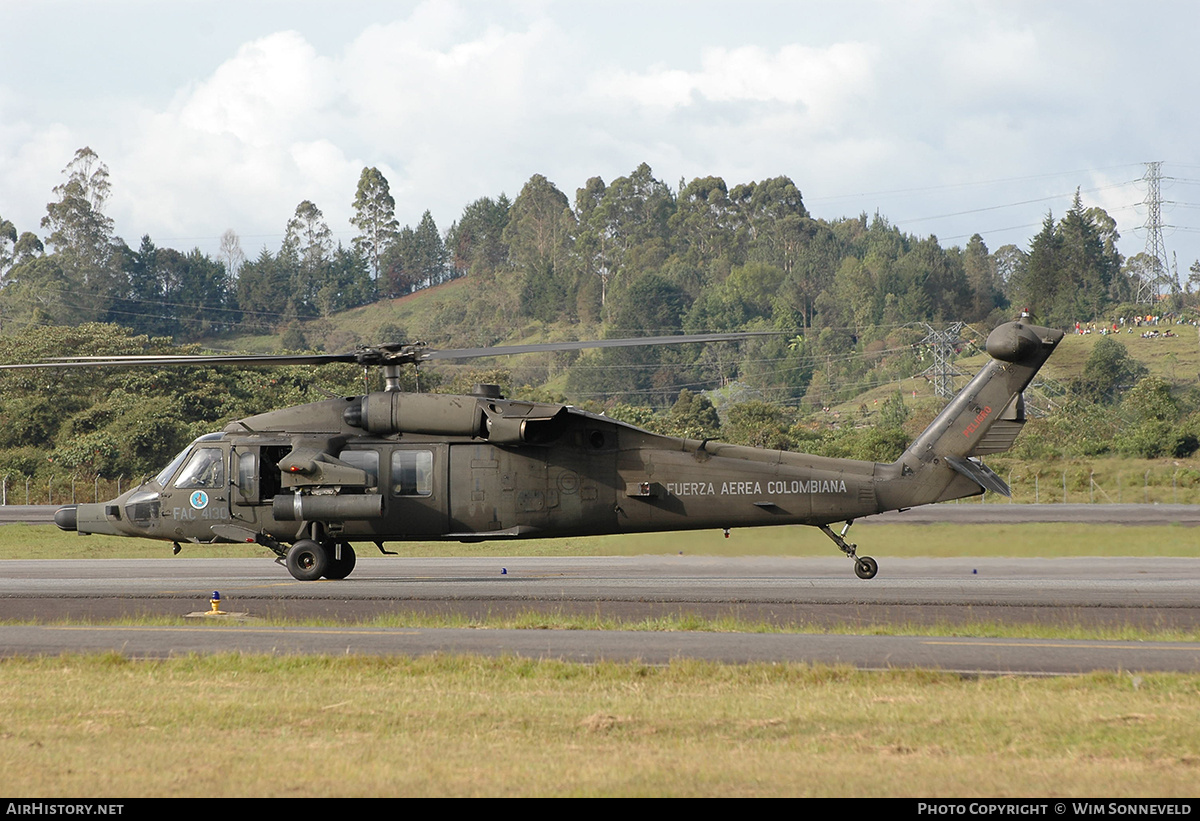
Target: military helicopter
<point x="309" y="482"/>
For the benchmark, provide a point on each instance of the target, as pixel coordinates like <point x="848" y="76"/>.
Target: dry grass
<point x="454" y="726"/>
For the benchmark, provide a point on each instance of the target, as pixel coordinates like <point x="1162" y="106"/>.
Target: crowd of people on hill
<point x="1150" y="323"/>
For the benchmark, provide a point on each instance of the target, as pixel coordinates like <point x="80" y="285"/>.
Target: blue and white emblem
<point x="199" y="500"/>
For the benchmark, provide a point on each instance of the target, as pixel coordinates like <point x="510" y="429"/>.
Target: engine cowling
<point x="500" y="421"/>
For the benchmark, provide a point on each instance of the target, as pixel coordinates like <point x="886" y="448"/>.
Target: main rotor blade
<point x="187" y="359"/>
<point x="634" y="342"/>
<point x="382" y="355"/>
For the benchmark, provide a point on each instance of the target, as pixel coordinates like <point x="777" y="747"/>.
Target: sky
<point x="948" y="118"/>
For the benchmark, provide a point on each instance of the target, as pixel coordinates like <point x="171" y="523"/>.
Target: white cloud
<point x="821" y="80"/>
<point x="266" y="94"/>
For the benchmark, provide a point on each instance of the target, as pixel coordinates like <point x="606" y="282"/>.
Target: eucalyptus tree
<point x="772" y="220"/>
<point x="82" y="235"/>
<point x="231" y="254"/>
<point x="307" y="250"/>
<point x="8" y="242"/>
<point x="704" y="224"/>
<point x="624" y="226"/>
<point x="539" y="236"/>
<point x="375" y="218"/>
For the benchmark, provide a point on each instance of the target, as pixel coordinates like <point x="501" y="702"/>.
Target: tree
<point x="980" y="269"/>
<point x="200" y="293"/>
<point x="82" y="235"/>
<point x="1035" y="285"/>
<point x="476" y="241"/>
<point x="538" y="236"/>
<point x="417" y="259"/>
<point x="703" y="225"/>
<point x="816" y="261"/>
<point x="263" y="291"/>
<point x="1154" y="431"/>
<point x="8" y="234"/>
<point x="231" y="254"/>
<point x="772" y="216"/>
<point x="652" y="305"/>
<point x="431" y="252"/>
<point x="1073" y="271"/>
<point x="76" y="220"/>
<point x="33" y="293"/>
<point x="1007" y="260"/>
<point x="758" y="424"/>
<point x="1090" y="267"/>
<point x="374" y="217"/>
<point x="307" y="246"/>
<point x="693" y="416"/>
<point x="627" y="230"/>
<point x="1108" y="372"/>
<point x="348" y="283"/>
<point x="144" y="302"/>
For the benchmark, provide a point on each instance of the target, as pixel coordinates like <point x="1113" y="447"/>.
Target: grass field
<point x="1024" y="540"/>
<point x="463" y="726"/>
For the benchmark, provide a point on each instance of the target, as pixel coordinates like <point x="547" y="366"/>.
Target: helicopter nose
<point x="65" y="517"/>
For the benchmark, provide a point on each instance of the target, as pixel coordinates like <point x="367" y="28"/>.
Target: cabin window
<point x="204" y="469"/>
<point x="412" y="473"/>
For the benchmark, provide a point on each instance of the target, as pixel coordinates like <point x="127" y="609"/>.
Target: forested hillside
<point x="850" y="300"/>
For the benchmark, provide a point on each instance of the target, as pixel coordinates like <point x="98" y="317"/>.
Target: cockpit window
<point x="205" y="468"/>
<point x="166" y="473"/>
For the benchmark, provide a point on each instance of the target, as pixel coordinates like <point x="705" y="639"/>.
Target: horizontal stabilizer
<point x="999" y="437"/>
<point x="980" y="474"/>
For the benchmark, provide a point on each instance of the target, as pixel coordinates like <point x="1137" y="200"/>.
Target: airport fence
<point x="61" y="489"/>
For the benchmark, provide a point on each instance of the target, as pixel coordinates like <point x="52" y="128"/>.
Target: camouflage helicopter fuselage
<point x="392" y="466"/>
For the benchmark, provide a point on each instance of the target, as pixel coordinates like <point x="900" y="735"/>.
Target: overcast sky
<point x="948" y="118"/>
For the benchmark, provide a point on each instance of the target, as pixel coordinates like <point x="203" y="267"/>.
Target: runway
<point x="813" y="592"/>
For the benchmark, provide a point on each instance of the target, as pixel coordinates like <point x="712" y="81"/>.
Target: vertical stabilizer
<point x="984" y="417"/>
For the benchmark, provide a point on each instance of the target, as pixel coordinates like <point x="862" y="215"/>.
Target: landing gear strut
<point x="864" y="566"/>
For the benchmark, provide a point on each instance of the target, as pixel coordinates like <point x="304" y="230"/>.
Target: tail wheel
<point x="341" y="568"/>
<point x="865" y="567"/>
<point x="307" y="560"/>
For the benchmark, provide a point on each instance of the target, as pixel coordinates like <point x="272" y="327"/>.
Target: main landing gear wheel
<point x="865" y="567"/>
<point x="340" y="568"/>
<point x="307" y="560"/>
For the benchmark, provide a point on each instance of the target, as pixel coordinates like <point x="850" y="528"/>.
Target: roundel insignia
<point x="199" y="500"/>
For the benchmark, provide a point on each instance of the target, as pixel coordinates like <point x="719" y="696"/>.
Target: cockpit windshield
<point x="166" y="473"/>
<point x="205" y="468"/>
